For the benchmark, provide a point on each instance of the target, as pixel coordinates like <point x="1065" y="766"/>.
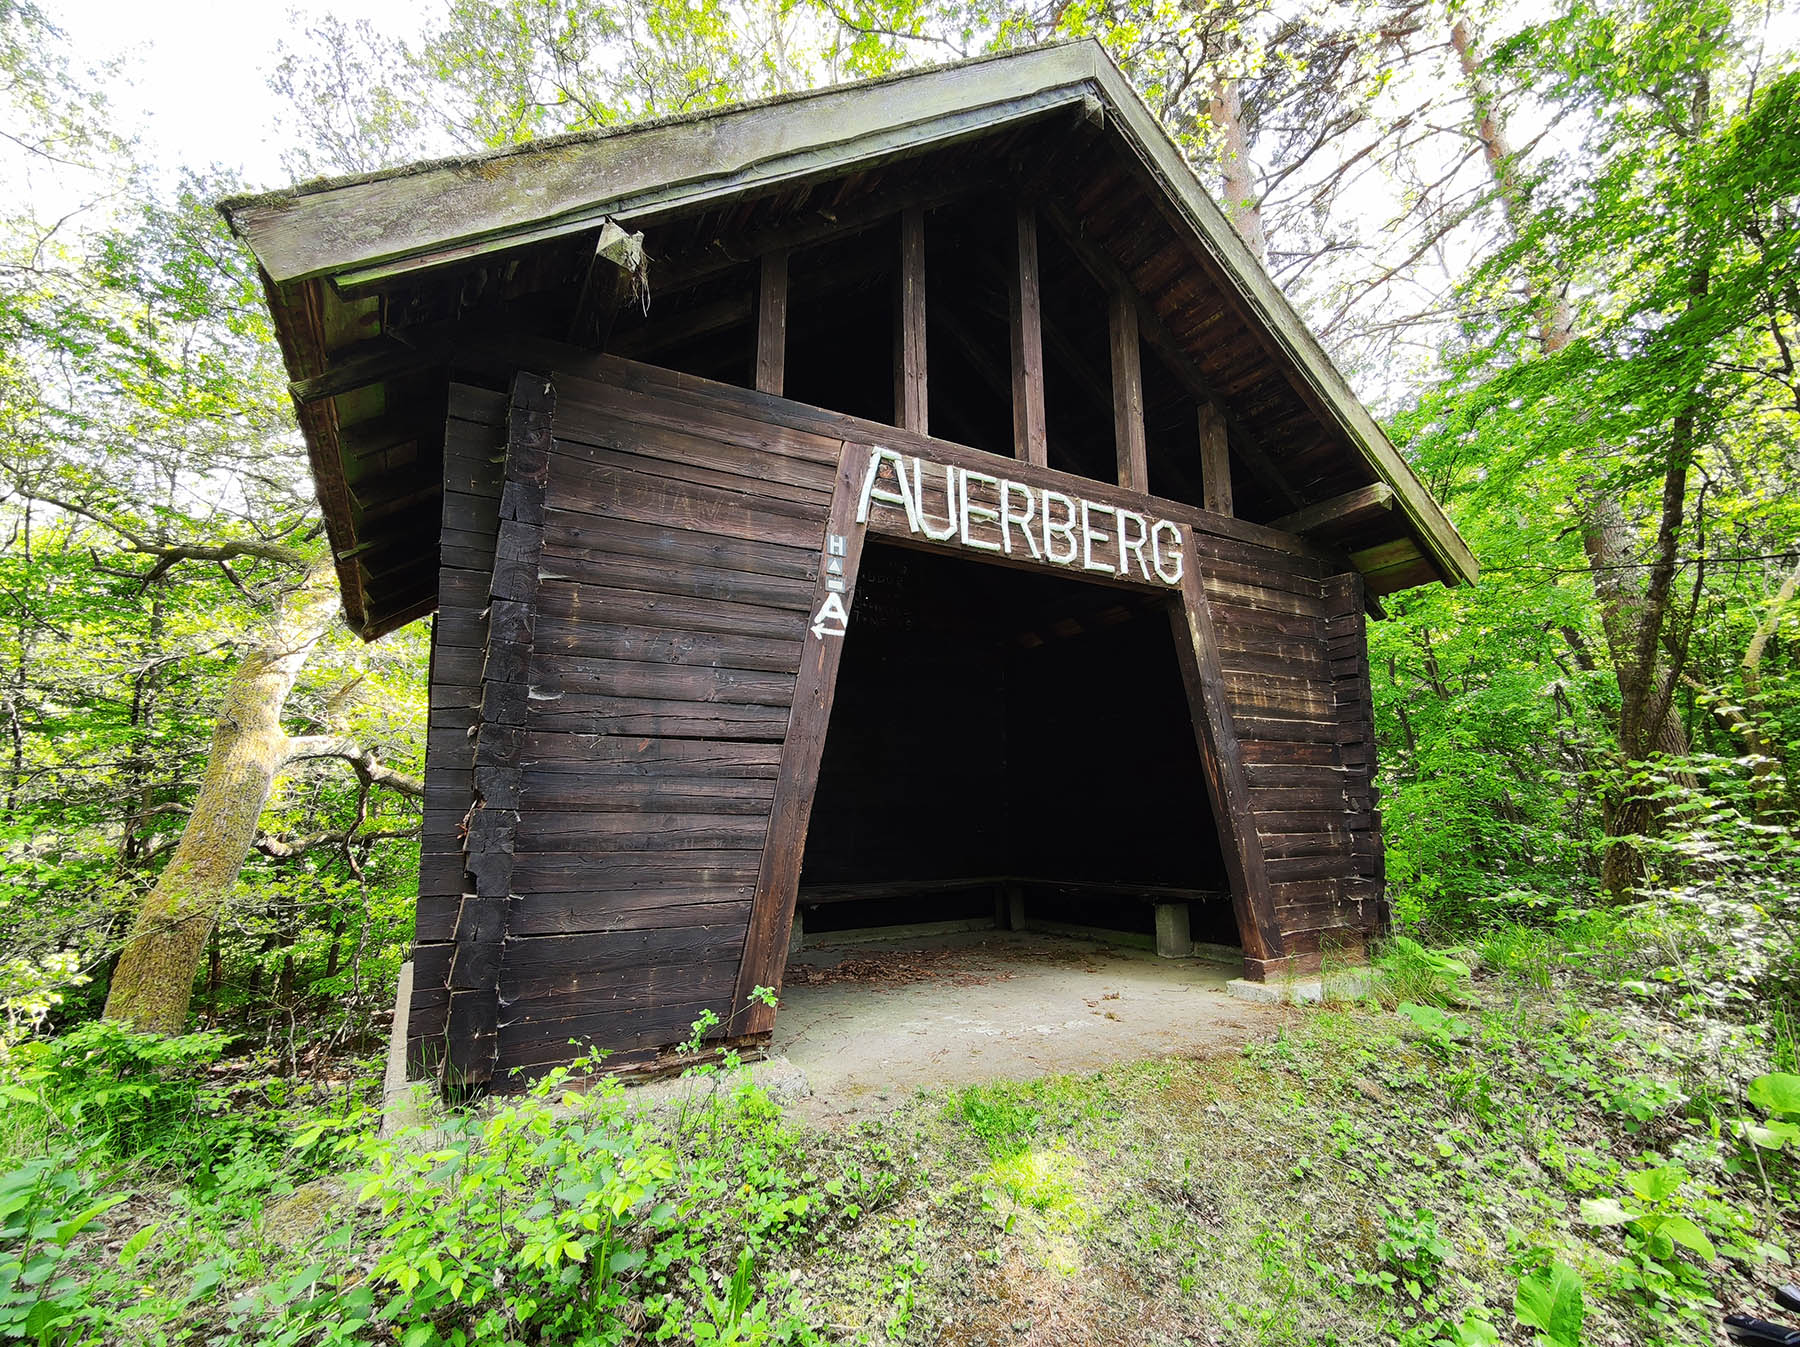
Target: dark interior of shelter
<point x="996" y="729"/>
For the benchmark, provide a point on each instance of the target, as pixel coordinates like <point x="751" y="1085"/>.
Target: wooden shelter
<point x="944" y="413"/>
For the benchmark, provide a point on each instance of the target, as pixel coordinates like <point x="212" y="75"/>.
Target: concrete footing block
<point x="796" y="935"/>
<point x="1015" y="907"/>
<point x="400" y="1098"/>
<point x="1173" y="940"/>
<point x="1347" y="984"/>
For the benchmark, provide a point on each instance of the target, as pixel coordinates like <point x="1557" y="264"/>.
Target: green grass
<point x="1351" y="1179"/>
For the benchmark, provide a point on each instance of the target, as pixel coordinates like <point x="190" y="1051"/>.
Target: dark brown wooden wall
<point x="680" y="550"/>
<point x="680" y="543"/>
<point x="474" y="447"/>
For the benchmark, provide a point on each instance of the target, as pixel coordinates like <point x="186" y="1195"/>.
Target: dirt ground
<point x="868" y="1023"/>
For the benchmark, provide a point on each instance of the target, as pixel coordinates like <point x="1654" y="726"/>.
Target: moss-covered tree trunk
<point x="154" y="979"/>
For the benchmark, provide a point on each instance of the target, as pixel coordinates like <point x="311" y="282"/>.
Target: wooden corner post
<point x="796" y="780"/>
<point x="1221" y="761"/>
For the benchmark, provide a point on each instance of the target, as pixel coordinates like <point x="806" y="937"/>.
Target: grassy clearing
<point x="1533" y="1157"/>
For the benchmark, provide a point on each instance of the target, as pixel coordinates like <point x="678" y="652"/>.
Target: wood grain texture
<point x="1026" y="315"/>
<point x="778" y="881"/>
<point x="1128" y="392"/>
<point x="771" y="323"/>
<point x="1197" y="648"/>
<point x="912" y="403"/>
<point x="1215" y="459"/>
<point x="479" y="941"/>
<point x="474" y="445"/>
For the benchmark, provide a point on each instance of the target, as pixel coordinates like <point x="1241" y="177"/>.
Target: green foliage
<point x="1411" y="973"/>
<point x="45" y="1205"/>
<point x="1000" y="1117"/>
<point x="1551" y="1302"/>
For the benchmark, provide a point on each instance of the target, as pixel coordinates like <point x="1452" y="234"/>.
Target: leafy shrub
<point x="564" y="1216"/>
<point x="130" y="1093"/>
<point x="1415" y="1248"/>
<point x="45" y="1204"/>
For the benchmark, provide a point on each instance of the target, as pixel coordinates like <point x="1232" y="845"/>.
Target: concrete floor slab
<point x="870" y="1022"/>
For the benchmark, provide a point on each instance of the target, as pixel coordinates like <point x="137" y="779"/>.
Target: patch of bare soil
<point x="1019" y="1304"/>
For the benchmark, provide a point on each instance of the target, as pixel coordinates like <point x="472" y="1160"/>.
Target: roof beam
<point x="369" y="362"/>
<point x="1363" y="500"/>
<point x="1112" y="277"/>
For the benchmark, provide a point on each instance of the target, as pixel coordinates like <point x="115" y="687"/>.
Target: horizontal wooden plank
<point x="579" y="645"/>
<point x="576" y="604"/>
<point x="584" y="402"/>
<point x="582" y="871"/>
<point x="654" y="717"/>
<point x="640" y="830"/>
<point x="688" y="454"/>
<point x="598" y="913"/>
<point x="564" y="692"/>
<point x="614" y="792"/>
<point x="696" y="581"/>
<point x="584" y="752"/>
<point x="584" y="536"/>
<point x="684" y="505"/>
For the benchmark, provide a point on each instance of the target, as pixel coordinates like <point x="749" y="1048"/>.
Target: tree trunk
<point x="1237" y="178"/>
<point x="154" y="979"/>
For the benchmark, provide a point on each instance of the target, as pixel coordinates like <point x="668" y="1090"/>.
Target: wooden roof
<point x="375" y="282"/>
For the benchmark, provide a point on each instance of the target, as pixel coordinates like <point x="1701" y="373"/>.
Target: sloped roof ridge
<point x="596" y="135"/>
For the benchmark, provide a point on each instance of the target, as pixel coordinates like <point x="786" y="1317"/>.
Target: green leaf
<point x="625" y="1260"/>
<point x="1685" y="1233"/>
<point x="1770" y="1136"/>
<point x="1655" y="1185"/>
<point x="136" y="1244"/>
<point x="1777" y="1092"/>
<point x="1475" y="1331"/>
<point x="67" y="1230"/>
<point x="1606" y="1211"/>
<point x="1550" y="1301"/>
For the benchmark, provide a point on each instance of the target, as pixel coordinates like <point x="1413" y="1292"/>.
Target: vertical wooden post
<point x="771" y="323"/>
<point x="910" y="401"/>
<point x="1222" y="763"/>
<point x="1029" y="442"/>
<point x="797" y="778"/>
<point x="1215" y="459"/>
<point x="1128" y="394"/>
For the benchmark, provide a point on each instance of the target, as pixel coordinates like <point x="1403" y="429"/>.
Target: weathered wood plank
<point x="912" y="403"/>
<point x="778" y="878"/>
<point x="1215" y="459"/>
<point x="771" y="323"/>
<point x="1030" y="443"/>
<point x="1197" y="650"/>
<point x="1128" y="393"/>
